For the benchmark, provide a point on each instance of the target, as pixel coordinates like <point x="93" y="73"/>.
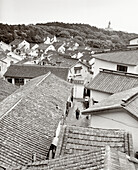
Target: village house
<point x="4" y="46"/>
<point x="125" y="61"/>
<point x="78" y="74"/>
<point x="20" y="74"/>
<point x="119" y="110"/>
<point x="30" y="118"/>
<point x="6" y="89"/>
<point x="59" y="46"/>
<point x="6" y="59"/>
<point x="43" y="48"/>
<point x="108" y="82"/>
<point x="133" y="41"/>
<point x="50" y="39"/>
<point x="19" y="46"/>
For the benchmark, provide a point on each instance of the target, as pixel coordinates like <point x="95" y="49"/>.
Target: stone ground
<point x="71" y="119"/>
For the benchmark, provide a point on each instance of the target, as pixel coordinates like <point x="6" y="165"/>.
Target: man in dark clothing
<point x="77" y="113"/>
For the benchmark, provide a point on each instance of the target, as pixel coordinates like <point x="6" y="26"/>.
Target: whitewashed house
<point x="20" y="46"/>
<point x="125" y="61"/>
<point x="118" y="111"/>
<point x="5" y="46"/>
<point x="6" y="60"/>
<point x="79" y="75"/>
<point x="133" y="41"/>
<point x="108" y="82"/>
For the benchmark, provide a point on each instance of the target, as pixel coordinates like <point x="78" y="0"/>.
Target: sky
<point x="121" y="13"/>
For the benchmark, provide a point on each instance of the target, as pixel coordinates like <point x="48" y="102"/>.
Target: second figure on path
<point x="77" y="113"/>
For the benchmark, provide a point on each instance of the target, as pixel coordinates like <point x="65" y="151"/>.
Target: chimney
<point x="33" y="157"/>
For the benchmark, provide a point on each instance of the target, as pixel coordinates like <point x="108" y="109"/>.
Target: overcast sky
<point x="121" y="13"/>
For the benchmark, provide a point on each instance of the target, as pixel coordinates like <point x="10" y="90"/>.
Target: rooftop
<point x="2" y="55"/>
<point x="128" y="100"/>
<point x="63" y="60"/>
<point x="109" y="81"/>
<point x="29" y="118"/>
<point x="6" y="89"/>
<point x="75" y="139"/>
<point x="31" y="71"/>
<point x="128" y="57"/>
<point x="16" y="42"/>
<point x="102" y="158"/>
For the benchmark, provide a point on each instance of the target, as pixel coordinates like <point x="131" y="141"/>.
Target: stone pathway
<point x="71" y="119"/>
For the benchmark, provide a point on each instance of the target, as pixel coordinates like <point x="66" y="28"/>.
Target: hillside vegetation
<point x="84" y="34"/>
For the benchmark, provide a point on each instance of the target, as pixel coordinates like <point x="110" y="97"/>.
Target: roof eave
<point x="115" y="62"/>
<point x="101" y="109"/>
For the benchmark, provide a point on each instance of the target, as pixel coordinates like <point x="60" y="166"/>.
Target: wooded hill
<point x="84" y="34"/>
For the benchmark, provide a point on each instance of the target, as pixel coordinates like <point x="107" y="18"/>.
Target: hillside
<point x="84" y="34"/>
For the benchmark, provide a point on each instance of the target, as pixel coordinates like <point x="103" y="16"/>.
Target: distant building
<point x="109" y="27"/>
<point x="20" y="74"/>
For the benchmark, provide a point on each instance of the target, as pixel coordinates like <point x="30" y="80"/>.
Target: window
<point x="9" y="80"/>
<point x="19" y="81"/>
<point x="0" y="68"/>
<point x="77" y="70"/>
<point x="122" y="68"/>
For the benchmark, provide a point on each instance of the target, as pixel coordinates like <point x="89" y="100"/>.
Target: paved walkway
<point x="71" y="119"/>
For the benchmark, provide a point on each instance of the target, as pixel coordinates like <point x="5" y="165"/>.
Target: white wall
<point x="5" y="46"/>
<point x="117" y="120"/>
<point x="25" y="44"/>
<point x="3" y="68"/>
<point x="134" y="41"/>
<point x="103" y="64"/>
<point x="98" y="96"/>
<point x="111" y="66"/>
<point x="78" y="90"/>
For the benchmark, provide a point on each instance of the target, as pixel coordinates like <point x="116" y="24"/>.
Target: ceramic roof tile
<point x="112" y="81"/>
<point x="6" y="89"/>
<point x="122" y="57"/>
<point x="98" y="159"/>
<point x="79" y="139"/>
<point x="31" y="71"/>
<point x="29" y="118"/>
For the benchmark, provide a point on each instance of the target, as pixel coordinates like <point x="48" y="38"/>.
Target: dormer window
<point x="121" y="68"/>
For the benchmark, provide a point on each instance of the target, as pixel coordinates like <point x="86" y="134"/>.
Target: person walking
<point x="77" y="113"/>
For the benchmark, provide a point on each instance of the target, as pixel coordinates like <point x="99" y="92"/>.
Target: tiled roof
<point x="75" y="139"/>
<point x="29" y="119"/>
<point x="65" y="60"/>
<point x="86" y="57"/>
<point x="6" y="89"/>
<point x="57" y="44"/>
<point x="31" y="71"/>
<point x="127" y="100"/>
<point x="16" y="42"/>
<point x="2" y="55"/>
<point x="122" y="57"/>
<point x="43" y="46"/>
<point x="112" y="81"/>
<point x="98" y="159"/>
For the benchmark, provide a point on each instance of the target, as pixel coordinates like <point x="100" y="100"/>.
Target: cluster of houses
<point x="38" y="83"/>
